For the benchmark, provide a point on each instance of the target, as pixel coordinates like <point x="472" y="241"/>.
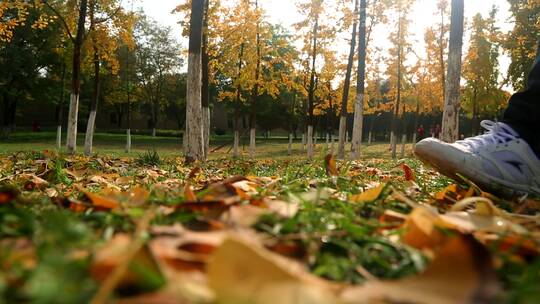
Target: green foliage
<point x="150" y="158"/>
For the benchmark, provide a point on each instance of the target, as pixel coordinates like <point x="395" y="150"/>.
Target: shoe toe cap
<point x="446" y="158"/>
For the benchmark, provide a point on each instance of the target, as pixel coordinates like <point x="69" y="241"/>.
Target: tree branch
<point x="64" y="23"/>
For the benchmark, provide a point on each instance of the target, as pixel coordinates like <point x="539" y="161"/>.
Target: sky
<point x="284" y="12"/>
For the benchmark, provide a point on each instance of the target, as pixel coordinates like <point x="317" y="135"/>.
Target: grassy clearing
<point x="113" y="145"/>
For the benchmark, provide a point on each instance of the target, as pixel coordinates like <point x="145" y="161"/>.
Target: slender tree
<point x="346" y="87"/>
<point x="360" y="82"/>
<point x="71" y="141"/>
<point x="255" y="92"/>
<point x="450" y="122"/>
<point x="205" y="93"/>
<point x="194" y="130"/>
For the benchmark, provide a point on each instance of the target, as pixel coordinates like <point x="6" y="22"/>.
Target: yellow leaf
<point x="368" y="195"/>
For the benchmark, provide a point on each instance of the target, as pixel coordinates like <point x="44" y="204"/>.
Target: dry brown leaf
<point x="330" y="165"/>
<point x="409" y="174"/>
<point x="461" y="272"/>
<point x="102" y="201"/>
<point x="189" y="195"/>
<point x="243" y="272"/>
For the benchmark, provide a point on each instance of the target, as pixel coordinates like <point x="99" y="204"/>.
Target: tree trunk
<point x="394" y="133"/>
<point x="403" y="143"/>
<point x="441" y="53"/>
<point x="311" y="93"/>
<point x="128" y="94"/>
<point x="71" y="141"/>
<point x="255" y="93"/>
<point x="195" y="139"/>
<point x="474" y="129"/>
<point x="450" y="123"/>
<point x="289" y="148"/>
<point x="360" y="84"/>
<point x="346" y="87"/>
<point x="60" y="110"/>
<point x="205" y="93"/>
<point x="91" y="125"/>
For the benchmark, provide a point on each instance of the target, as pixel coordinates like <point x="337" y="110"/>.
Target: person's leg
<point x="523" y="112"/>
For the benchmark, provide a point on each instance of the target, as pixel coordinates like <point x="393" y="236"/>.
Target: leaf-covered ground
<point x="152" y="230"/>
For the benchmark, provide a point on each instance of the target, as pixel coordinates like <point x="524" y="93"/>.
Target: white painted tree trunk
<point x="358" y="125"/>
<point x="403" y="144"/>
<point x="252" y="142"/>
<point x="59" y="137"/>
<point x="332" y="142"/>
<point x="310" y="142"/>
<point x="327" y="141"/>
<point x="206" y="130"/>
<point x="289" y="148"/>
<point x="128" y="141"/>
<point x="414" y="138"/>
<point x="194" y="116"/>
<point x="153" y="132"/>
<point x="342" y="134"/>
<point x="236" y="144"/>
<point x="303" y="142"/>
<point x="89" y="139"/>
<point x="450" y="123"/>
<point x="71" y="136"/>
<point x="315" y="140"/>
<point x="369" y="139"/>
<point x="393" y="144"/>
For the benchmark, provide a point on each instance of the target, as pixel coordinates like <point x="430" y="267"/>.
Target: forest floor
<point x="146" y="228"/>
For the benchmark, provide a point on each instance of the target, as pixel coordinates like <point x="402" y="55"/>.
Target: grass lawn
<point x="148" y="228"/>
<point x="113" y="144"/>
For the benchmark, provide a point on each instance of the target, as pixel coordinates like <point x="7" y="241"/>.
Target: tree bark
<point x="71" y="141"/>
<point x="194" y="129"/>
<point x="255" y="93"/>
<point x="128" y="94"/>
<point x="450" y="123"/>
<point x="346" y="87"/>
<point x="360" y="83"/>
<point x="205" y="93"/>
<point x="91" y="125"/>
<point x="311" y="93"/>
<point x="395" y="119"/>
<point x="60" y="110"/>
<point x="236" y="143"/>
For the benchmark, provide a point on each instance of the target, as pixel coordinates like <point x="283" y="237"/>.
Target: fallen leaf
<point x="241" y="271"/>
<point x="369" y="195"/>
<point x="330" y="165"/>
<point x="462" y="272"/>
<point x="189" y="195"/>
<point x="101" y="201"/>
<point x="409" y="174"/>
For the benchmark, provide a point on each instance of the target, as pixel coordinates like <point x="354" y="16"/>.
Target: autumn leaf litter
<point x="264" y="231"/>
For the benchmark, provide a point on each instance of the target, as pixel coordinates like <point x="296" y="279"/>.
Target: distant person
<point x="507" y="157"/>
<point x="420" y="132"/>
<point x="437" y="131"/>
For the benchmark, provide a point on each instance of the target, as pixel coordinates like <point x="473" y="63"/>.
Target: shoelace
<point x="497" y="133"/>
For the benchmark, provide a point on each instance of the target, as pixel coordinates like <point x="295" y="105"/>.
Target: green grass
<point x="114" y="145"/>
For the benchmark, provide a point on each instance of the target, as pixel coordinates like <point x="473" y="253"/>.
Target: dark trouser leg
<point x="523" y="112"/>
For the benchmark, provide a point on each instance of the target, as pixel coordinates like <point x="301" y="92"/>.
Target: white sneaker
<point x="497" y="158"/>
